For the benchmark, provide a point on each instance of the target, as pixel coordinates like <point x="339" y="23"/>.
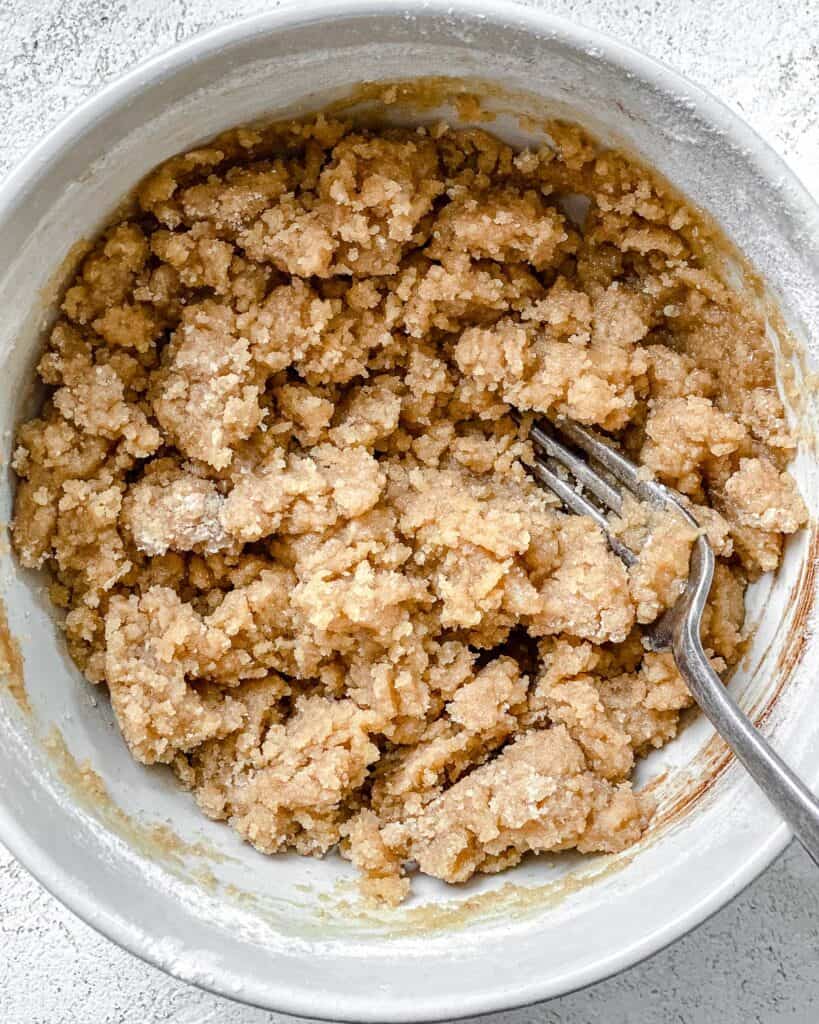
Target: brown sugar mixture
<point x="287" y="513"/>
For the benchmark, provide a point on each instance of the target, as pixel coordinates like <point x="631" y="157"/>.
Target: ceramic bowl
<point x="129" y="851"/>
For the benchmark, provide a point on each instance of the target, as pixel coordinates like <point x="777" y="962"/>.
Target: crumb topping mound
<point x="286" y="510"/>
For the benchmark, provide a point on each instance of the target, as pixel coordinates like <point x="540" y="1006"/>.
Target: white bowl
<point x="285" y="932"/>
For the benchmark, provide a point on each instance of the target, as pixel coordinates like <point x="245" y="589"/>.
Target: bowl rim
<point x="41" y="862"/>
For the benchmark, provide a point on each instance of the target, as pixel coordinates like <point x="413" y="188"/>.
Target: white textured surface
<point x="755" y="961"/>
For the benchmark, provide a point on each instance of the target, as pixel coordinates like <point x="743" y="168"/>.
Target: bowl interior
<point x="121" y="843"/>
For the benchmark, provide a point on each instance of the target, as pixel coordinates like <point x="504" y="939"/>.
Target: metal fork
<point x="678" y="629"/>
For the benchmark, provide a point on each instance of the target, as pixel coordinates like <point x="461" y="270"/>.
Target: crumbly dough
<point x="287" y="512"/>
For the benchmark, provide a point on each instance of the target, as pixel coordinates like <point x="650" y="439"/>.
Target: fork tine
<point x="581" y="506"/>
<point x="578" y="467"/>
<point x="623" y="469"/>
<point x="620" y="467"/>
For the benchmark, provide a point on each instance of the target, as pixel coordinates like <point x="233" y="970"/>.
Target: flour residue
<point x="11" y="663"/>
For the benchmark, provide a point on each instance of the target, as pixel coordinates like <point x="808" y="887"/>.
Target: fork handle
<point x="788" y="793"/>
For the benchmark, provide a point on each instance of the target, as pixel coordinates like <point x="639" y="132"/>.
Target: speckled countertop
<point x="757" y="960"/>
